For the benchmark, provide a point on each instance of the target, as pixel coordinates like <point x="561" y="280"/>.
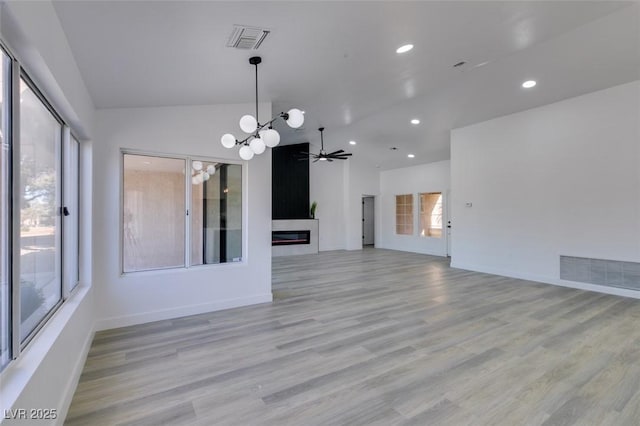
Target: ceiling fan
<point x="323" y="156"/>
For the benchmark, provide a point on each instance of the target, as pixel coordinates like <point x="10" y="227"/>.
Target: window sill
<point x="182" y="269"/>
<point x="15" y="378"/>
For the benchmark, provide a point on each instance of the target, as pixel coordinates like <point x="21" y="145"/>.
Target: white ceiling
<point x="337" y="61"/>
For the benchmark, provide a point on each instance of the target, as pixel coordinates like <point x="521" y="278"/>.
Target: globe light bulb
<point x="248" y="123"/>
<point x="296" y="118"/>
<point x="197" y="165"/>
<point x="205" y="176"/>
<point x="246" y="153"/>
<point x="257" y="145"/>
<point x="405" y="48"/>
<point x="211" y="169"/>
<point x="270" y="137"/>
<point x="228" y="140"/>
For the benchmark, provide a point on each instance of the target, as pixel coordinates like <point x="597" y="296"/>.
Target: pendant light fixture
<point x="260" y="135"/>
<point x="200" y="174"/>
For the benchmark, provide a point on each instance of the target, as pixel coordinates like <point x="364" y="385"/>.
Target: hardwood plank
<point x="381" y="337"/>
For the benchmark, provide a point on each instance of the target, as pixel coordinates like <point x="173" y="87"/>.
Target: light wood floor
<point x="376" y="337"/>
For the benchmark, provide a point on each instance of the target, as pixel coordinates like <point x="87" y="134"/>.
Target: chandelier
<point x="260" y="135"/>
<point x="200" y="174"/>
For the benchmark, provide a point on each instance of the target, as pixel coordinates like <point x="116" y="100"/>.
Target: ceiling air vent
<point x="243" y="37"/>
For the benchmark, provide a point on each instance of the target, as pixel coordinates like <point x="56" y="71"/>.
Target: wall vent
<point x="611" y="273"/>
<point x="243" y="37"/>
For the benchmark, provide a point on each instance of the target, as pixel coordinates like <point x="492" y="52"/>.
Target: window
<point x="431" y="214"/>
<point x="39" y="221"/>
<point x="71" y="249"/>
<point x="39" y="175"/>
<point x="153" y="213"/>
<point x="5" y="226"/>
<point x="404" y="214"/>
<point x="216" y="218"/>
<point x="155" y="232"/>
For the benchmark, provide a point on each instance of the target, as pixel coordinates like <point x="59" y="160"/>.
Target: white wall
<point x="433" y="177"/>
<point x="338" y="188"/>
<point x="562" y="179"/>
<point x="361" y="179"/>
<point x="46" y="373"/>
<point x="148" y="296"/>
<point x="36" y="37"/>
<point x="326" y="186"/>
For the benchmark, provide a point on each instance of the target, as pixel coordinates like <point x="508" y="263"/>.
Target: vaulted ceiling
<point x="338" y="62"/>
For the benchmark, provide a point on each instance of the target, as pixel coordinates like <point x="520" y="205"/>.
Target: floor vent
<point x="243" y="37"/>
<point x="611" y="273"/>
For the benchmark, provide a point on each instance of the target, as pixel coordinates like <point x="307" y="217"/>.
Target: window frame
<point x="6" y="194"/>
<point x="441" y="194"/>
<point x="188" y="159"/>
<point x="60" y="175"/>
<point x="11" y="117"/>
<point x="71" y="230"/>
<point x="412" y="215"/>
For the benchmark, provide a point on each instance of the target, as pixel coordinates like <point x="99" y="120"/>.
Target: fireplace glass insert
<point x="286" y="238"/>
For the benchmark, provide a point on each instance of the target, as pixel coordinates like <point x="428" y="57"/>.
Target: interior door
<point x="368" y="227"/>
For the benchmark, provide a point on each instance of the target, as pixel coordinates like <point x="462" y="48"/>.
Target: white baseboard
<point x="438" y="253"/>
<point x="182" y="311"/>
<point x="549" y="280"/>
<point x="332" y="248"/>
<point x="72" y="384"/>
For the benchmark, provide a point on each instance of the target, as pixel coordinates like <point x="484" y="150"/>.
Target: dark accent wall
<point x="290" y="182"/>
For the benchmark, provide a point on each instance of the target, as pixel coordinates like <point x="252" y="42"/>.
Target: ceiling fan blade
<point x="316" y="160"/>
<point x="336" y="152"/>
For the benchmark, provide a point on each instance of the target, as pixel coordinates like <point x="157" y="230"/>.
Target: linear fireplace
<point x="294" y="236"/>
<point x="287" y="238"/>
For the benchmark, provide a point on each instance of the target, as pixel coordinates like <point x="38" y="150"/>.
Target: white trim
<point x="419" y="250"/>
<point x="188" y="160"/>
<point x="550" y="280"/>
<point x="182" y="311"/>
<point x="74" y="378"/>
<point x="17" y="375"/>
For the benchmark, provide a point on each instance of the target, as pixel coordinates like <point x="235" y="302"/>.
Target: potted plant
<point x="312" y="210"/>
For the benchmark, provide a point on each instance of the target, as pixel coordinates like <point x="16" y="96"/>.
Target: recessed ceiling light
<point x="411" y="156"/>
<point x="405" y="48"/>
<point x="415" y="121"/>
<point x="352" y="142"/>
<point x="529" y="84"/>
